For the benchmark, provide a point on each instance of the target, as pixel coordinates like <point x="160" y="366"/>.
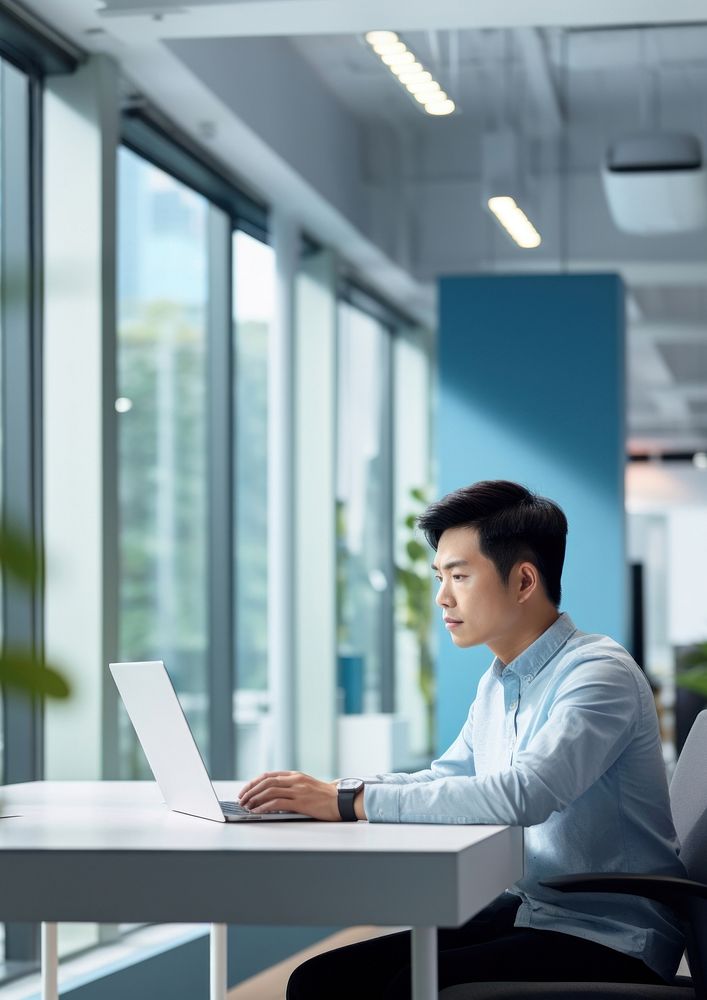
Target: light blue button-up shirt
<point x="563" y="741"/>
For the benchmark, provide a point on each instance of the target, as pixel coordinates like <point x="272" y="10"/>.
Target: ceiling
<point x="565" y="82"/>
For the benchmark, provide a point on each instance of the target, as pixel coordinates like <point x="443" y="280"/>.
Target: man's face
<point x="477" y="607"/>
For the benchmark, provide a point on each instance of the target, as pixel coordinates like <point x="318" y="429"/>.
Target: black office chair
<point x="686" y="896"/>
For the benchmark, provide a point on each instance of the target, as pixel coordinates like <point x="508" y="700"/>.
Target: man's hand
<point x="293" y="792"/>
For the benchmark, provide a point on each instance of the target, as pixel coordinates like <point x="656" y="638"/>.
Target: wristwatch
<point x="346" y="790"/>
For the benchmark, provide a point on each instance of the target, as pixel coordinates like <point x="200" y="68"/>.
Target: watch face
<point x="349" y="784"/>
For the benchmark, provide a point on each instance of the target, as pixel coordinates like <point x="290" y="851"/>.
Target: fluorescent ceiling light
<point x="412" y="74"/>
<point x="699" y="460"/>
<point x="427" y="87"/>
<point x="440" y="107"/>
<point x="421" y="76"/>
<point x="387" y="48"/>
<point x="376" y="37"/>
<point x="514" y="220"/>
<point x="431" y="95"/>
<point x="399" y="58"/>
<point x="405" y="72"/>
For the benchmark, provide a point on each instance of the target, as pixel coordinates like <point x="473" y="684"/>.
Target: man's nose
<point x="443" y="598"/>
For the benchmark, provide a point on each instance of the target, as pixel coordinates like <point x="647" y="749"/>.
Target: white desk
<point x="111" y="852"/>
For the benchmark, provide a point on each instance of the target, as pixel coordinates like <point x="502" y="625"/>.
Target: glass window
<point x="253" y="303"/>
<point x="414" y="634"/>
<point x="364" y="512"/>
<point x="18" y="497"/>
<point x="162" y="427"/>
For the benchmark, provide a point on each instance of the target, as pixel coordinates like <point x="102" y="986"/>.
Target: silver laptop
<point x="161" y="726"/>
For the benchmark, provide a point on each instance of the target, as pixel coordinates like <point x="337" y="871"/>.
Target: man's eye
<point x="438" y="579"/>
<point x="458" y="576"/>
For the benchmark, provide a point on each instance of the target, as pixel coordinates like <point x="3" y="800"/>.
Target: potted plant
<point x="691" y="696"/>
<point x="415" y="585"/>
<point x="20" y="668"/>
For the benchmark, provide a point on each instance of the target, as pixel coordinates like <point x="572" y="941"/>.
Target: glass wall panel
<point x="364" y="509"/>
<point x="253" y="305"/>
<point x="315" y="603"/>
<point x="162" y="317"/>
<point x="414" y="671"/>
<point x="20" y="607"/>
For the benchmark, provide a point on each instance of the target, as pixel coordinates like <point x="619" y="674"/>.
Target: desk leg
<point x="219" y="961"/>
<point x="424" y="963"/>
<point x="50" y="962"/>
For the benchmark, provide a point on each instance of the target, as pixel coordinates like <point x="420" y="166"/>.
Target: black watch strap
<point x="347" y="810"/>
<point x="345" y="798"/>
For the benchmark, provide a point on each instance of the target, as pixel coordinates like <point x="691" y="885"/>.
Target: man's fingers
<point x="252" y="786"/>
<point x="268" y="787"/>
<point x="269" y="796"/>
<point x="254" y="782"/>
<point x="275" y="805"/>
<point x="278" y="782"/>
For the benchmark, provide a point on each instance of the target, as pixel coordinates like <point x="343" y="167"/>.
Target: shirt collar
<point x="531" y="661"/>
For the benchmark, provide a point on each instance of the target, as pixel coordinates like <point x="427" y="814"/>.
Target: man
<point x="562" y="738"/>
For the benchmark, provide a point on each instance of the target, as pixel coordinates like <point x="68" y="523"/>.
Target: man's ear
<point x="528" y="580"/>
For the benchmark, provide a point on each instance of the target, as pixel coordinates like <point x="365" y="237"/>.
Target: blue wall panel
<point x="532" y="388"/>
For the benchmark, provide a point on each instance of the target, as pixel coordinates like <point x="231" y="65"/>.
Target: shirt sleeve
<point x="457" y="760"/>
<point x="594" y="716"/>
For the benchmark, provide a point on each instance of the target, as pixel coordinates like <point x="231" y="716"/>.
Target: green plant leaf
<point x="21" y="670"/>
<point x="411" y="521"/>
<point x="696" y="657"/>
<point x="403" y="575"/>
<point x="19" y="557"/>
<point x="415" y="550"/>
<point x="694" y="679"/>
<point x="418" y="493"/>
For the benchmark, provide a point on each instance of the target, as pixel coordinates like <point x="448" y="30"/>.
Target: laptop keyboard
<point x="236" y="809"/>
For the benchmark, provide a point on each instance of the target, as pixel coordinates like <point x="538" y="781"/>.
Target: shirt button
<point x="514" y="704"/>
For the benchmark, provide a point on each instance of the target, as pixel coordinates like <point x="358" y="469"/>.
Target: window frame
<point x="21" y="414"/>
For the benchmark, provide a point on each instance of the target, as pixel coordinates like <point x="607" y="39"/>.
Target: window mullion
<point x="220" y="497"/>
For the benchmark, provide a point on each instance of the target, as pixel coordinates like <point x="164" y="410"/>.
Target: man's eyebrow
<point x="451" y="564"/>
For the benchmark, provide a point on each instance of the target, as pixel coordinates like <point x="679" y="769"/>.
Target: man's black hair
<point x="513" y="525"/>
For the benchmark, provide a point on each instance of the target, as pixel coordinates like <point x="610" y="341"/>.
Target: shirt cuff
<point x="381" y="803"/>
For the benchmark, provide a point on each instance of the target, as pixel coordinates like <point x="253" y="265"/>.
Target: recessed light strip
<point x="411" y="74"/>
<point x="515" y="222"/>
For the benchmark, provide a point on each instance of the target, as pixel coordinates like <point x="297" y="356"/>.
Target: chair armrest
<point x="668" y="889"/>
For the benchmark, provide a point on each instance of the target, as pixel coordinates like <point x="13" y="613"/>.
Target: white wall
<point x="667" y="522"/>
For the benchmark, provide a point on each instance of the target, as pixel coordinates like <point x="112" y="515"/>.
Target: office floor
<point x="271" y="984"/>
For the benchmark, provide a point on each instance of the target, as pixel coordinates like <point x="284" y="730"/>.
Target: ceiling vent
<point x="656" y="183"/>
<point x="686" y="362"/>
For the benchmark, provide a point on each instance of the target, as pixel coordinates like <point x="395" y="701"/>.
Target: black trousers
<point x="488" y="948"/>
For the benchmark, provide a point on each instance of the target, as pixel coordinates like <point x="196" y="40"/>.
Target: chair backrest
<point x="688" y="800"/>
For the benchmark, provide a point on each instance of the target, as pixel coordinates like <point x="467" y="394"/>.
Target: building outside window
<point x="253" y="304"/>
<point x="364" y="513"/>
<point x="162" y="426"/>
<point x="21" y="606"/>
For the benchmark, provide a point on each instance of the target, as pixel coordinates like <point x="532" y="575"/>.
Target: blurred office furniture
<point x="688" y="703"/>
<point x="686" y="896"/>
<point x="637" y="648"/>
<point x="372" y="743"/>
<point x="350" y="683"/>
